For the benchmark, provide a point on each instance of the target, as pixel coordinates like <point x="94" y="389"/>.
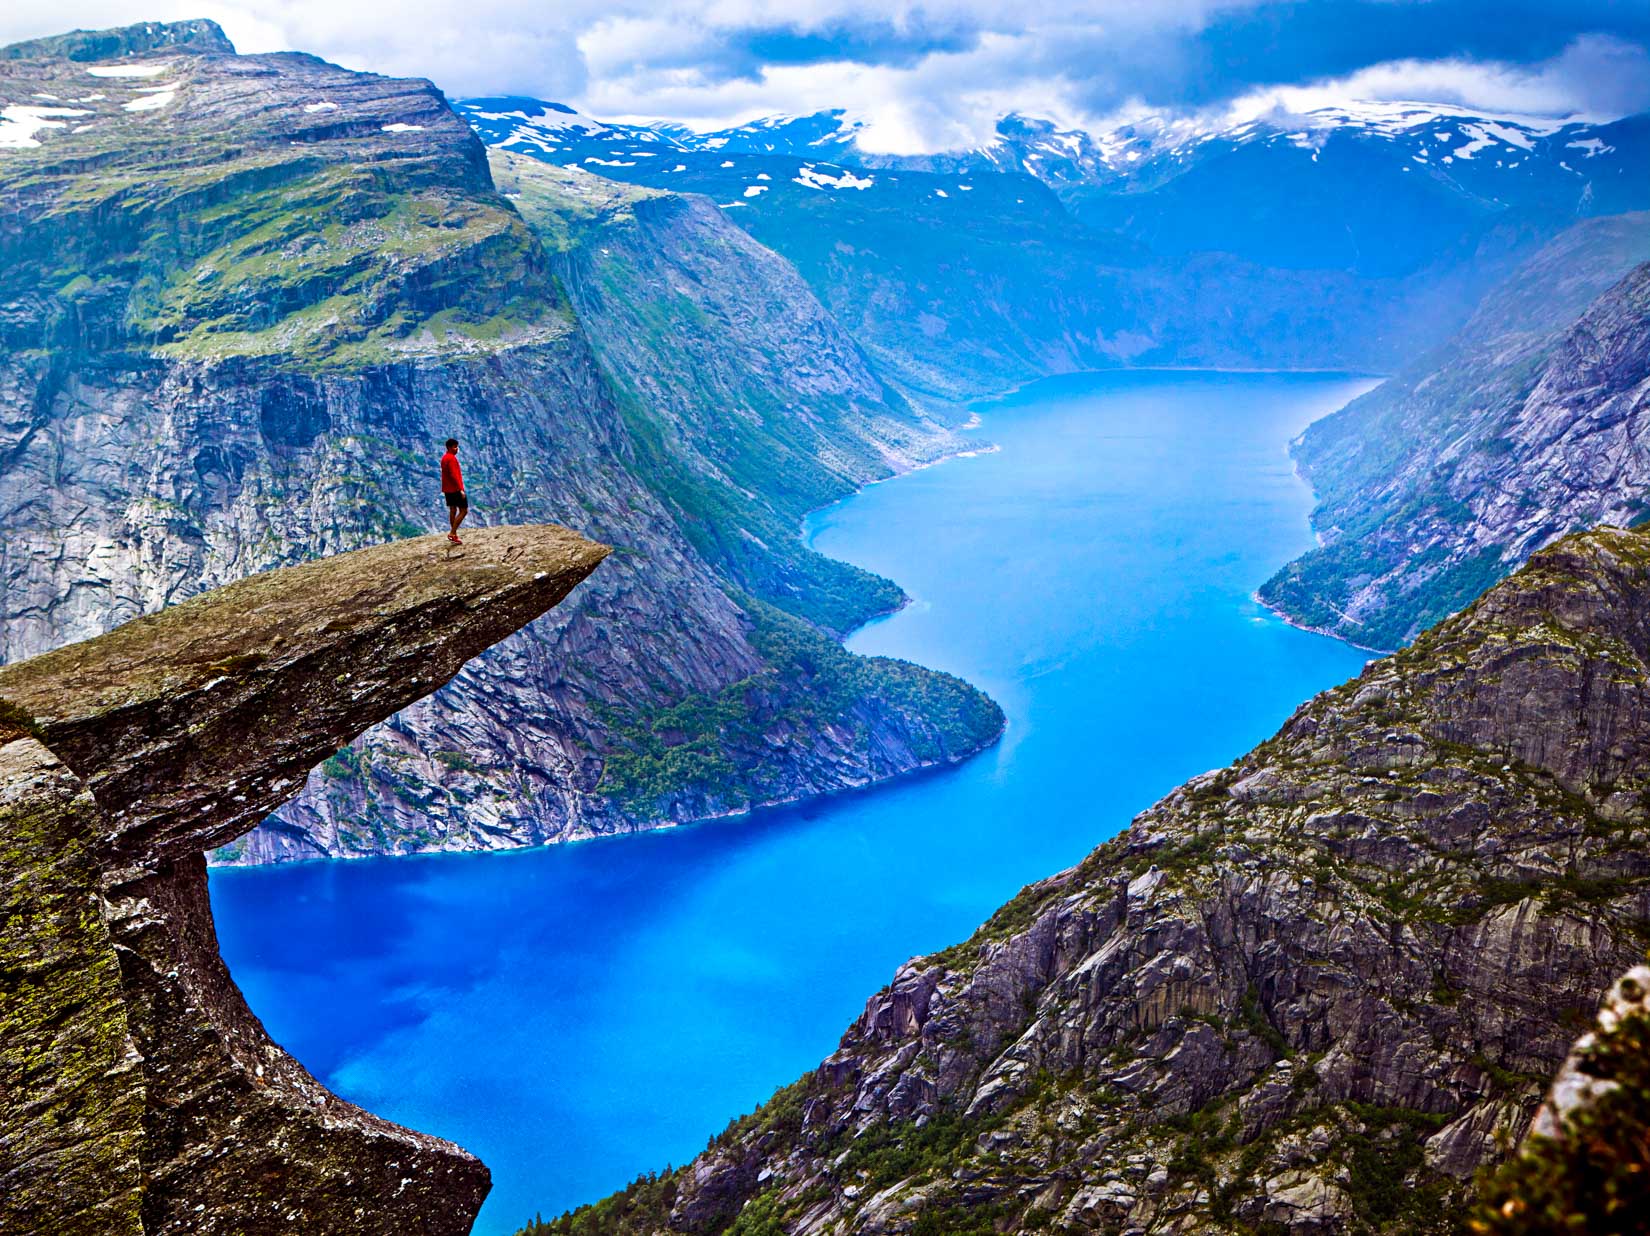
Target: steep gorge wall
<point x="239" y="323"/>
<point x="1309" y="993"/>
<point x="1524" y="426"/>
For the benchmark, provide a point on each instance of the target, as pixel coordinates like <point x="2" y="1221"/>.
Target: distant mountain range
<point x="1341" y="239"/>
<point x="1465" y="145"/>
<point x="1177" y="185"/>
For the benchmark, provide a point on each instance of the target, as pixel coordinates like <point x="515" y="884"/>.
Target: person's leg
<point x="452" y="519"/>
<point x="463" y="511"/>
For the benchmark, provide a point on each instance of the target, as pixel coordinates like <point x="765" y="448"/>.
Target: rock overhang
<point x="161" y="715"/>
<point x="139" y="1093"/>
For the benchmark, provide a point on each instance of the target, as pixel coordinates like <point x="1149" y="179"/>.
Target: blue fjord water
<point x="582" y="1013"/>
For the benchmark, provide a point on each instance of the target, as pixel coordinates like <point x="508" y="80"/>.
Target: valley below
<point x="628" y="864"/>
<point x="581" y="1013"/>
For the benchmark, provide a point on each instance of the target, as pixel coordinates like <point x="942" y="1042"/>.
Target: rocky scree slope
<point x="1306" y="993"/>
<point x="1523" y="427"/>
<point x="243" y="297"/>
<point x="138" y="1093"/>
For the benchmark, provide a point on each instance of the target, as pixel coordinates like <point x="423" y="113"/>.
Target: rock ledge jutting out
<point x="138" y="1092"/>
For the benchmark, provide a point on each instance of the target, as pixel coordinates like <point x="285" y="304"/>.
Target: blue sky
<point x="934" y="75"/>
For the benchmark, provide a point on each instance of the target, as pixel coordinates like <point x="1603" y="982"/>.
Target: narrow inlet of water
<point x="579" y="1014"/>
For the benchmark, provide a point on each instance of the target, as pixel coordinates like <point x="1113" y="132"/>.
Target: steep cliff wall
<point x="742" y="393"/>
<point x="138" y="1093"/>
<point x="1304" y="993"/>
<point x="1523" y="427"/>
<point x="244" y="297"/>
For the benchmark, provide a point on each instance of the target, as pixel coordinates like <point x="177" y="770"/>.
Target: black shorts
<point x="457" y="501"/>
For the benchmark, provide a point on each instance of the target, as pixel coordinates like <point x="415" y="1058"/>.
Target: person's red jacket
<point x="452" y="479"/>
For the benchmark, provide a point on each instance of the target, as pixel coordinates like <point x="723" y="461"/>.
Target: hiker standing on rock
<point x="452" y="488"/>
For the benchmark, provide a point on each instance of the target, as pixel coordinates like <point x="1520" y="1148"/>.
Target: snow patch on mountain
<point x="20" y="123"/>
<point x="812" y="178"/>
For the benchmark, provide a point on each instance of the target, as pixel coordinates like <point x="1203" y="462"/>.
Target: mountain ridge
<point x="1351" y="247"/>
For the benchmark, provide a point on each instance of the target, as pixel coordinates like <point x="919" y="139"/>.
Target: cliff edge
<point x="138" y="1092"/>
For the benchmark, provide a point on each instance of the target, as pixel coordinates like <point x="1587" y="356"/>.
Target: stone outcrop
<point x="138" y="1093"/>
<point x="1525" y="426"/>
<point x="1308" y="993"/>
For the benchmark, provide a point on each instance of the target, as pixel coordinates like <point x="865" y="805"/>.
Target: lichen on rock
<point x="1585" y="1165"/>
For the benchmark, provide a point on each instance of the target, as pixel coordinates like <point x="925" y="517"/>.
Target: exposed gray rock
<point x="1317" y="989"/>
<point x="138" y="1093"/>
<point x="244" y="298"/>
<point x="1525" y="426"/>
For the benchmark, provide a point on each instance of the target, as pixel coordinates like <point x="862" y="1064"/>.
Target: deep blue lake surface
<point x="579" y="1014"/>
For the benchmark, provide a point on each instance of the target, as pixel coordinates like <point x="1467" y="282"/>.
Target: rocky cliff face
<point x="243" y="297"/>
<point x="1305" y="993"/>
<point x="742" y="390"/>
<point x="1522" y="428"/>
<point x="138" y="1093"/>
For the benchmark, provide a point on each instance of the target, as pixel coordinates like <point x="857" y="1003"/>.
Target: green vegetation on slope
<point x="197" y="232"/>
<point x="1283" y="992"/>
<point x="808" y="684"/>
<point x="747" y="407"/>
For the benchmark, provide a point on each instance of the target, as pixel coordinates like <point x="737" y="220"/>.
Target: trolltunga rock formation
<point x="138" y="1092"/>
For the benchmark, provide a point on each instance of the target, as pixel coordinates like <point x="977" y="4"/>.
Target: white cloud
<point x="925" y="76"/>
<point x="1594" y="76"/>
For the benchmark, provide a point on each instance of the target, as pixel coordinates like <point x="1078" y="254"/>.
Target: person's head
<point x="452" y="444"/>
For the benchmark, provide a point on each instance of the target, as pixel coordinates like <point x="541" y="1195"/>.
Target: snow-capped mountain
<point x="533" y="126"/>
<point x="1437" y="138"/>
<point x="1435" y="135"/>
<point x="1351" y="237"/>
<point x="1378" y="189"/>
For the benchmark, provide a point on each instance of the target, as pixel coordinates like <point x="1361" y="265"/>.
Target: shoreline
<point x="1287" y="619"/>
<point x="903" y="468"/>
<point x="753" y="812"/>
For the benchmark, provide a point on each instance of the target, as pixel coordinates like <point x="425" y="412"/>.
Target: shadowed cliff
<point x="138" y="1093"/>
